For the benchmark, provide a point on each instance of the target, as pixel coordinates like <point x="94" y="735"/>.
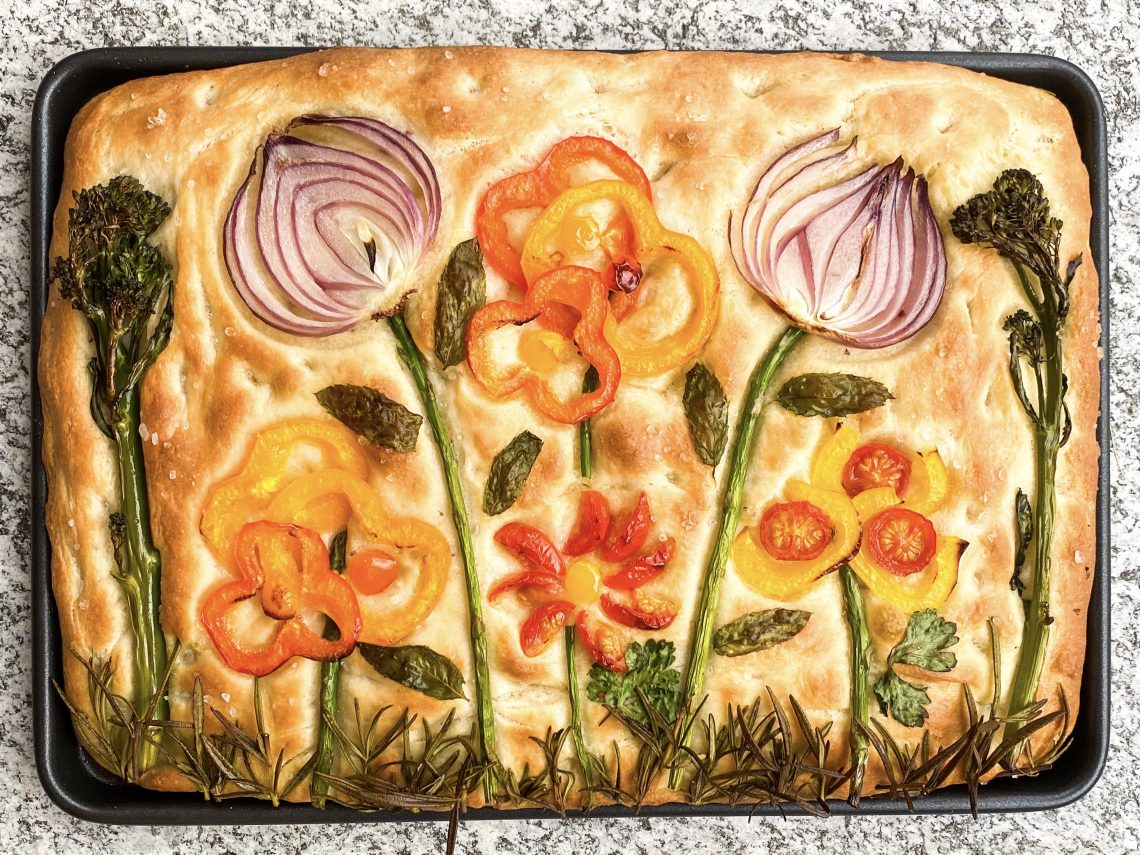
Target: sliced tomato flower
<point x="795" y="531"/>
<point x="540" y="628"/>
<point x="626" y="539"/>
<point x="593" y="524"/>
<point x="636" y="573"/>
<point x="605" y="646"/>
<point x="647" y="611"/>
<point x="876" y="465"/>
<point x="900" y="540"/>
<point x="526" y="579"/>
<point x="533" y="547"/>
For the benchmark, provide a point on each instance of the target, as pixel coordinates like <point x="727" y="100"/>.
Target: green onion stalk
<point x="577" y="733"/>
<point x="485" y="716"/>
<point x="860" y="637"/>
<point x="743" y="445"/>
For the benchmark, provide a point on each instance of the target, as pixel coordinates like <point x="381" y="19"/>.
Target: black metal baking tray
<point x="80" y="787"/>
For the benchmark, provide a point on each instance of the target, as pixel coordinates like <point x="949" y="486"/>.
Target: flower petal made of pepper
<point x="288" y="566"/>
<point x="930" y="590"/>
<point x="578" y="288"/>
<point x="384" y="623"/>
<point x="245" y="495"/>
<point x="537" y="188"/>
<point x="639" y="357"/>
<point x="787" y="580"/>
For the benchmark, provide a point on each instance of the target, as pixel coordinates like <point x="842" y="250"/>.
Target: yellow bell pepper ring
<point x="639" y="357"/>
<point x="929" y="483"/>
<point x="913" y="593"/>
<point x="305" y="502"/>
<point x="236" y="500"/>
<point x="786" y="580"/>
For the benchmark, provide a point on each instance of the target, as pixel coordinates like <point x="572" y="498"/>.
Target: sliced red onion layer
<point x="854" y="257"/>
<point x="331" y="224"/>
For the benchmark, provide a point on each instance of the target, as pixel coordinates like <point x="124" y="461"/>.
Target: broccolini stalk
<point x="485" y="715"/>
<point x="330" y="684"/>
<point x="1013" y="218"/>
<point x="860" y="678"/>
<point x="576" y="731"/>
<point x="743" y="445"/>
<point x="123" y="286"/>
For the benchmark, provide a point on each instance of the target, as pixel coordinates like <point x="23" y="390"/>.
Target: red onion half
<point x="854" y="257"/>
<point x="330" y="226"/>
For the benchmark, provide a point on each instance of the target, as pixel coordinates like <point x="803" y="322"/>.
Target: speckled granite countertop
<point x="1102" y="36"/>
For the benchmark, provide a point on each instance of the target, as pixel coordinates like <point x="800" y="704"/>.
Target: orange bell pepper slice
<point x="537" y="188"/>
<point x="288" y="565"/>
<point x="640" y="354"/>
<point x="384" y="623"/>
<point x="578" y="288"/>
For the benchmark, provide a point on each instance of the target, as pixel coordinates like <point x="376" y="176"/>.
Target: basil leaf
<point x="706" y="411"/>
<point x="759" y="631"/>
<point x="417" y="667"/>
<point x="831" y="395"/>
<point x="373" y="415"/>
<point x="509" y="471"/>
<point x="1024" y="514"/>
<point x="462" y="291"/>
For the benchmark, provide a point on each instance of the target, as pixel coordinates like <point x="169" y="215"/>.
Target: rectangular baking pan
<point x="80" y="787"/>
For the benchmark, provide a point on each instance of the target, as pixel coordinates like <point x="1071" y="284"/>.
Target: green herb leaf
<point x="650" y="675"/>
<point x="462" y="291"/>
<point x="374" y="416"/>
<point x="925" y="645"/>
<point x="509" y="471"/>
<point x="830" y="395"/>
<point x="1024" y="515"/>
<point x="706" y="411"/>
<point x="759" y="631"/>
<point x="417" y="667"/>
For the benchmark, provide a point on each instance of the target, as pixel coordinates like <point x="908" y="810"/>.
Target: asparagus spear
<point x="123" y="286"/>
<point x="860" y="678"/>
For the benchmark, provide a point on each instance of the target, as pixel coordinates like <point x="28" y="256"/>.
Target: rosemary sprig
<point x="731" y="501"/>
<point x="484" y="713"/>
<point x="549" y="785"/>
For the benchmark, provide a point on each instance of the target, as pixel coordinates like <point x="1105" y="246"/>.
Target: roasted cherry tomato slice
<point x="593" y="524"/>
<point x="795" y="531"/>
<point x="605" y="646"/>
<point x="900" y="540"/>
<point x="639" y="571"/>
<point x="540" y="628"/>
<point x="533" y="547"/>
<point x="876" y="465"/>
<point x="626" y="539"/>
<point x="526" y="579"/>
<point x="371" y="571"/>
<point x="647" y="611"/>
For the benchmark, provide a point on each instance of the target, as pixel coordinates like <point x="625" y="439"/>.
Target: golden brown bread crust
<point x="702" y="126"/>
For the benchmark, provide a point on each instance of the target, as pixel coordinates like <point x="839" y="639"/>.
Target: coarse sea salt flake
<point x="447" y="108"/>
<point x="157" y="120"/>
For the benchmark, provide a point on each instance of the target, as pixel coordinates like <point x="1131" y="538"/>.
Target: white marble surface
<point x="1103" y="37"/>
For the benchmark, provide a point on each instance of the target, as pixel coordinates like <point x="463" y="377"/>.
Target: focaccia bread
<point x="703" y="127"/>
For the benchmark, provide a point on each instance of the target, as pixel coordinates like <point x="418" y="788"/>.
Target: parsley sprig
<point x="650" y="679"/>
<point x="925" y="644"/>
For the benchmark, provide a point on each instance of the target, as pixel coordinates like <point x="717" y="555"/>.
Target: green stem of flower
<point x="485" y="715"/>
<point x="860" y="678"/>
<point x="576" y="731"/>
<point x="330" y="684"/>
<point x="585" y="434"/>
<point x="741" y="455"/>
<point x="140" y="572"/>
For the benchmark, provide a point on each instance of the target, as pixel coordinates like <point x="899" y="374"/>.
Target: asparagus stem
<point x="485" y="715"/>
<point x="731" y="500"/>
<point x="860" y="678"/>
<point x="576" y="731"/>
<point x="140" y="572"/>
<point x="330" y="683"/>
<point x="585" y="435"/>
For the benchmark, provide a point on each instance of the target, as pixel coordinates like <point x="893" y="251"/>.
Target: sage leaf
<point x="1024" y="515"/>
<point x="509" y="471"/>
<point x="706" y="411"/>
<point x="830" y="395"/>
<point x="462" y="291"/>
<point x="759" y="631"/>
<point x="417" y="667"/>
<point x="373" y="415"/>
